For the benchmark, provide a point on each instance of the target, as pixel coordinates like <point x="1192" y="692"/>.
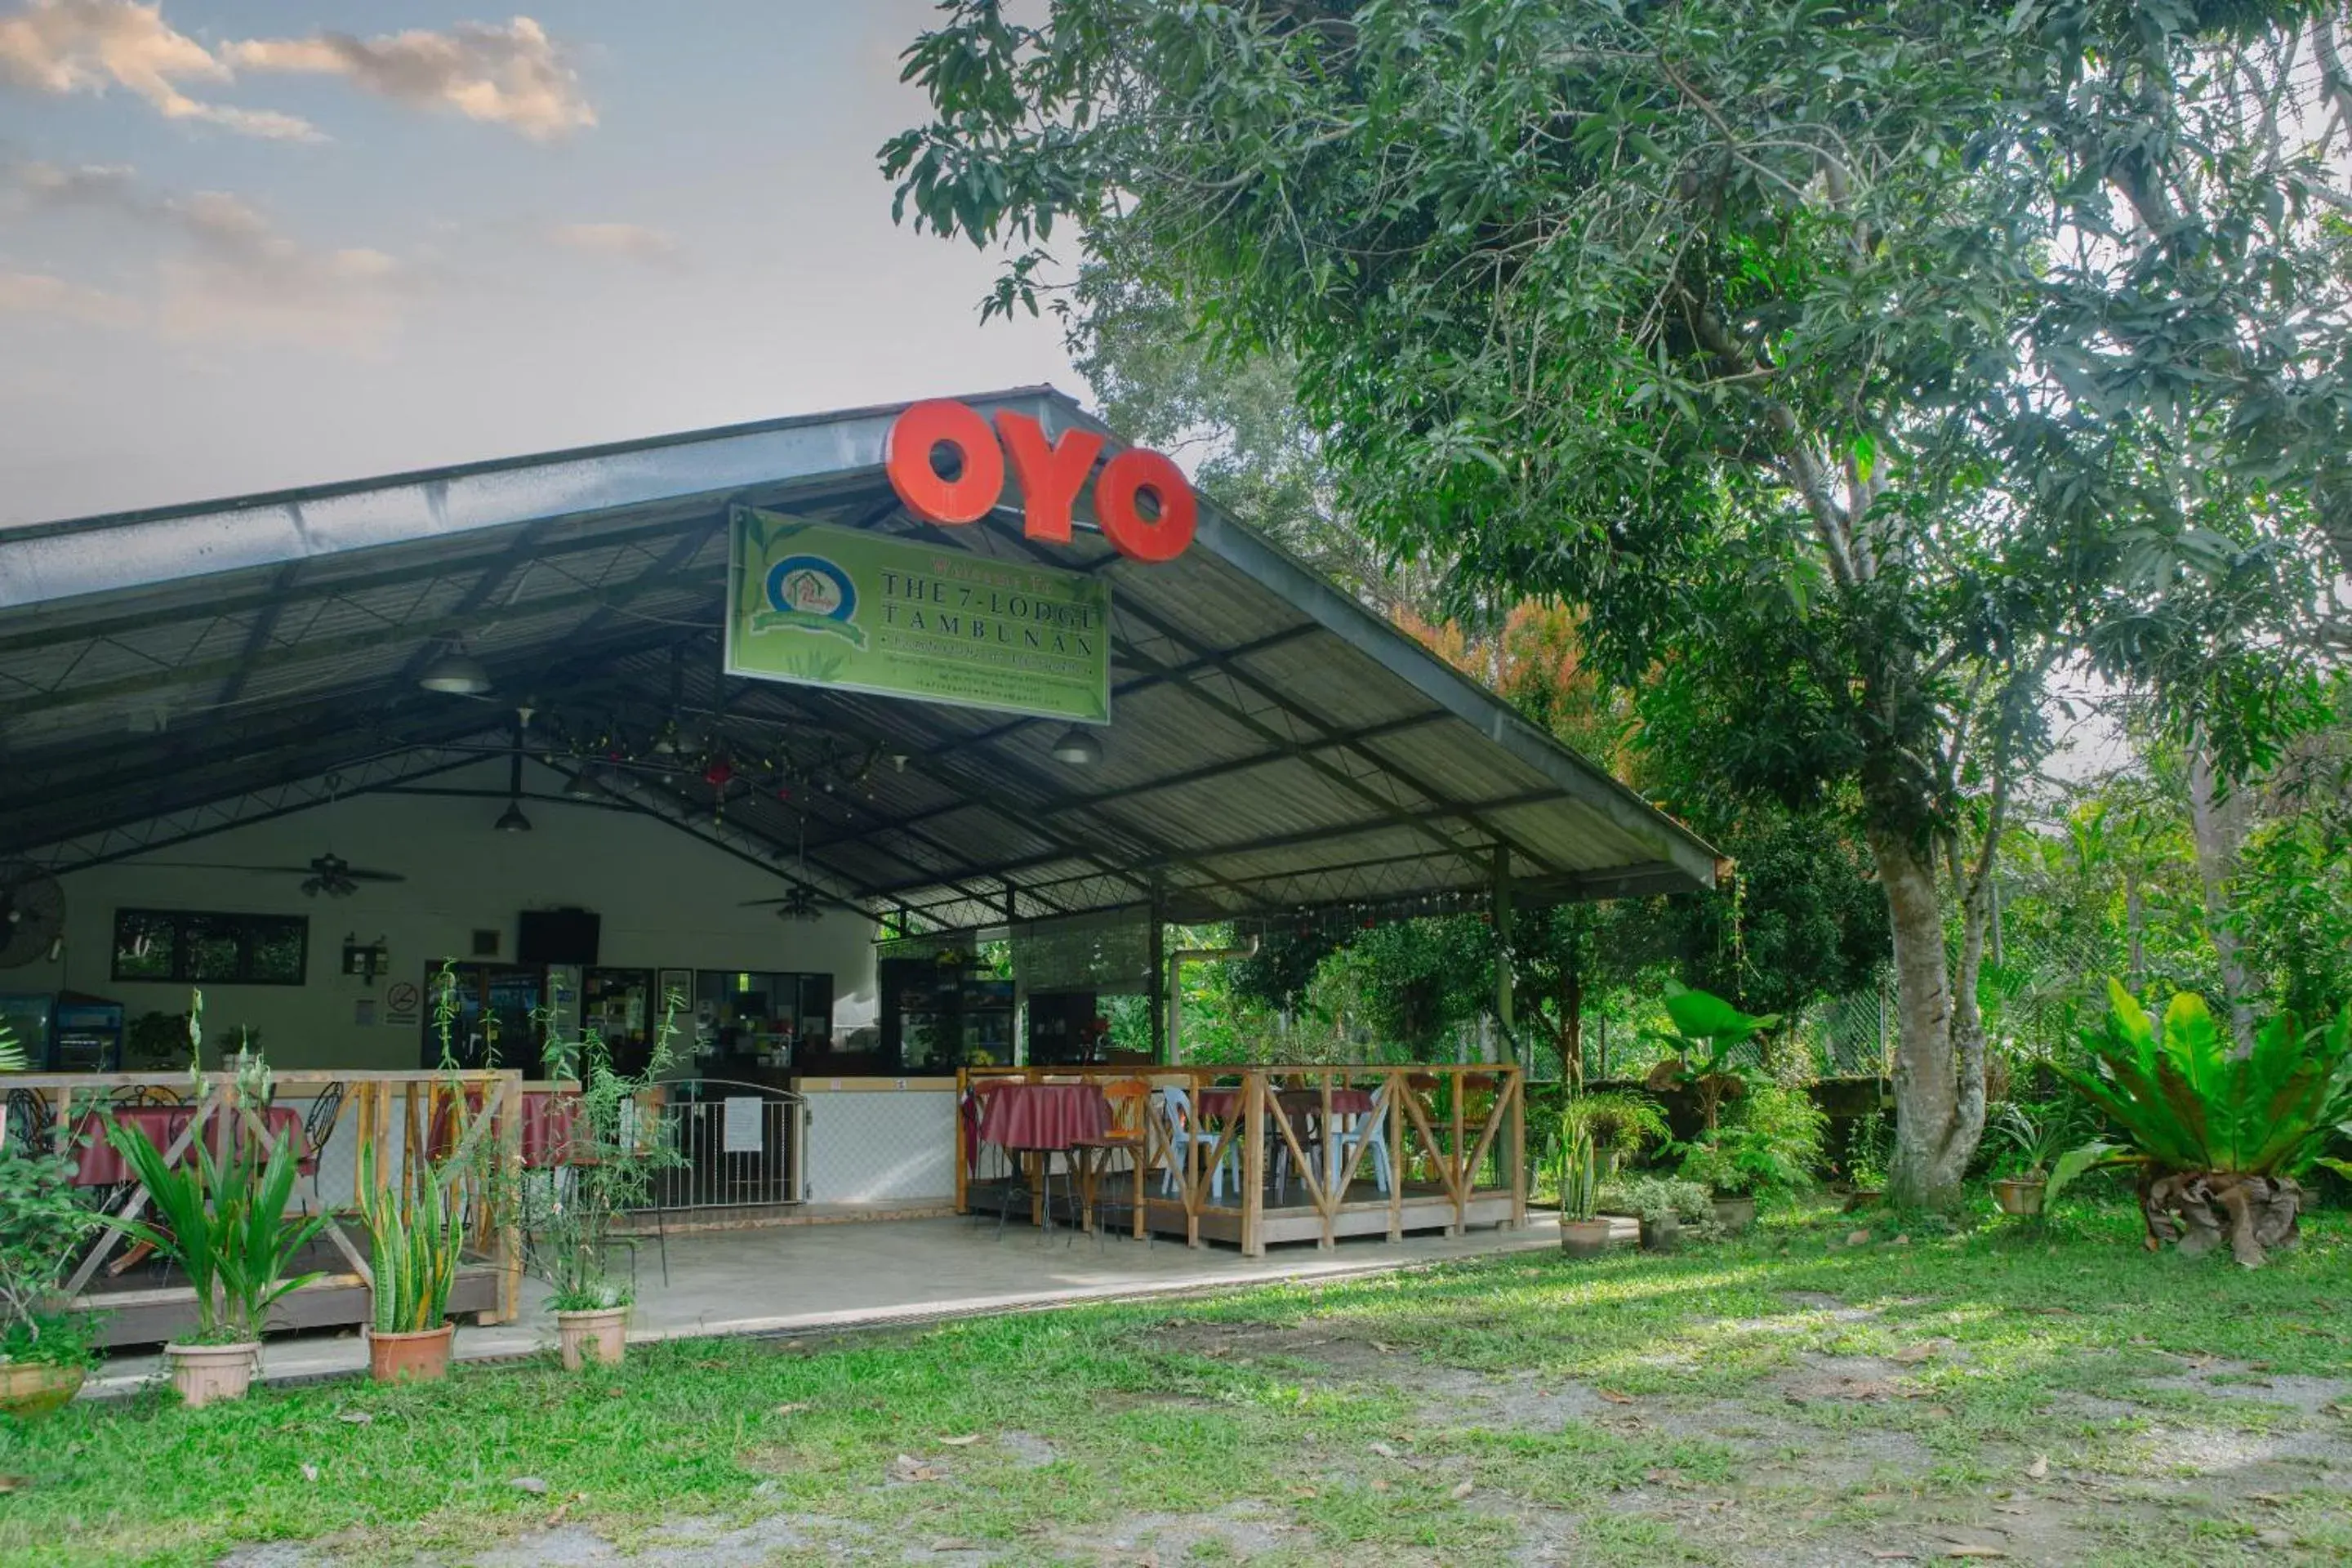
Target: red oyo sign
<point x="1051" y="475"/>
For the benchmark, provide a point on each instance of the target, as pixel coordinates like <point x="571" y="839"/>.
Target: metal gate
<point x="742" y="1145"/>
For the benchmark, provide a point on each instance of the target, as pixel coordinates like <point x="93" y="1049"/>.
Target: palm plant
<point x="222" y="1217"/>
<point x="2219" y="1136"/>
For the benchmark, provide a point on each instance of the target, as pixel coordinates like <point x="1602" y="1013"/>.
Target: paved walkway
<point x="828" y="1276"/>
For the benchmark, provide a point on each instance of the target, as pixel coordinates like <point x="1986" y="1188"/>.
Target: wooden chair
<point x="1131" y="1100"/>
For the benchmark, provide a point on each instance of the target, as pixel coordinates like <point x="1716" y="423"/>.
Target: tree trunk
<point x="2218" y="823"/>
<point x="1940" y="1046"/>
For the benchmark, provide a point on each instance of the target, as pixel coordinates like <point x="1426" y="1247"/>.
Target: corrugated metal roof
<point x="1271" y="743"/>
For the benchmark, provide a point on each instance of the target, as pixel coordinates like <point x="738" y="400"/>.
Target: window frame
<point x="250" y="931"/>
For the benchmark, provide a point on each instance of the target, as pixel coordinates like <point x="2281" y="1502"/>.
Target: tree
<point x="1838" y="362"/>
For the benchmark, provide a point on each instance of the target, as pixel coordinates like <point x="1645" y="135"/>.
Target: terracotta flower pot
<point x="2019" y="1195"/>
<point x="1662" y="1234"/>
<point x="593" y="1336"/>
<point x="203" y="1374"/>
<point x="1584" y="1237"/>
<point x="30" y="1388"/>
<point x="423" y="1355"/>
<point x="1735" y="1215"/>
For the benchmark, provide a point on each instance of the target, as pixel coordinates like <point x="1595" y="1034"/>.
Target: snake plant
<point x="415" y="1236"/>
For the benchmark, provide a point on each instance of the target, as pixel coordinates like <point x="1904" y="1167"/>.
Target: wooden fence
<point x="1454" y="1136"/>
<point x="402" y="1118"/>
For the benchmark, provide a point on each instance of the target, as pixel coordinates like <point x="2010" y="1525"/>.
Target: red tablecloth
<point x="1220" y="1103"/>
<point x="547" y="1120"/>
<point x="1044" y="1115"/>
<point x="97" y="1165"/>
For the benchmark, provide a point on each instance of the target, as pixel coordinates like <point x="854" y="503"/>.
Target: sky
<point x="247" y="244"/>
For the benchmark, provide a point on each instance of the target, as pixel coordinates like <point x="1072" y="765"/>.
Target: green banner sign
<point x="858" y="612"/>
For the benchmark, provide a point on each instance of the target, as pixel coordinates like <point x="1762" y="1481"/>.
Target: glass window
<point x="192" y="947"/>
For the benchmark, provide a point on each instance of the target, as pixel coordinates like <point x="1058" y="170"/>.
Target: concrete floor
<point x="823" y="1276"/>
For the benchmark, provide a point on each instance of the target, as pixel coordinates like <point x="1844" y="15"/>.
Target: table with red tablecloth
<point x="1044" y="1116"/>
<point x="1034" y="1121"/>
<point x="99" y="1164"/>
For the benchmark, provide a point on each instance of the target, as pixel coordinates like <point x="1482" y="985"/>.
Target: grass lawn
<point x="1797" y="1397"/>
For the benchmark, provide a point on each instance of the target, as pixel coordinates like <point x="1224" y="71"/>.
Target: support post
<point x="1161" y="999"/>
<point x="510" y="1189"/>
<point x="1253" y="1166"/>
<point x="1503" y="999"/>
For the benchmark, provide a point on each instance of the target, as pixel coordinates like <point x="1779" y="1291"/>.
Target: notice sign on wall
<point x="835" y="607"/>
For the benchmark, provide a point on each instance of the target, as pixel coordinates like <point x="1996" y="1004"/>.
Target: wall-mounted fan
<point x="330" y="874"/>
<point x="32" y="913"/>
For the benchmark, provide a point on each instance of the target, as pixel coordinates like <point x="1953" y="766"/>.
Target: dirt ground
<point x="1824" y="1459"/>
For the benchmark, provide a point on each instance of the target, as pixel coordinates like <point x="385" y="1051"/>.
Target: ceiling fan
<point x="802" y="902"/>
<point x="330" y="873"/>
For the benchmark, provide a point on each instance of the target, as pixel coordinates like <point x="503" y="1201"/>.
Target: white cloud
<point x="226" y="272"/>
<point x="631" y="240"/>
<point x="241" y="279"/>
<point x="61" y="46"/>
<point x="511" y="75"/>
<point x="39" y="294"/>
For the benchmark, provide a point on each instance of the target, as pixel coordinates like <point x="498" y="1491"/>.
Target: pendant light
<point x="512" y="820"/>
<point x="456" y="673"/>
<point x="1077" y="747"/>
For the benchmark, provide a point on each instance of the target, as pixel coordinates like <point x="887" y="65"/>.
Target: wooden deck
<point x="1455" y="1135"/>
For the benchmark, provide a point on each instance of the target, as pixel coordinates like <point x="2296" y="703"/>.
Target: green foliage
<point x="221" y="1217"/>
<point x="615" y="1145"/>
<point x="42" y="1227"/>
<point x="2190" y="1103"/>
<point x="1767" y="1146"/>
<point x="12" y="1051"/>
<point x="1621" y="1124"/>
<point x="1708" y="1031"/>
<point x="1654" y="1198"/>
<point x="2035" y="1135"/>
<point x="1851" y="368"/>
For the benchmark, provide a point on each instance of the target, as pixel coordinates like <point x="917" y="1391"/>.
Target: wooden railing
<point x="402" y="1118"/>
<point x="1454" y="1138"/>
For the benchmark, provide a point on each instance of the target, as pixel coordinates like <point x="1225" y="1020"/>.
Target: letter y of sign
<point x="1051" y="477"/>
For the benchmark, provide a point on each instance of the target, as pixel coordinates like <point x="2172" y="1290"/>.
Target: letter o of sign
<point x="1126" y="477"/>
<point x="907" y="457"/>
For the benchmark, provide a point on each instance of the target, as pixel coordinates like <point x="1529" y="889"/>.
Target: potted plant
<point x="222" y="1216"/>
<point x="1766" y="1147"/>
<point x="2218" y="1137"/>
<point x="613" y="1147"/>
<point x="1621" y="1125"/>
<point x="45" y="1350"/>
<point x="1666" y="1207"/>
<point x="1582" y="1234"/>
<point x="2035" y="1136"/>
<point x="415" y="1240"/>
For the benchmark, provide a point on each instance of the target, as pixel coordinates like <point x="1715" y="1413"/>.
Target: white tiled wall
<point x="880" y="1146"/>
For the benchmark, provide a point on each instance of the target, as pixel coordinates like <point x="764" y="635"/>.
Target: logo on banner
<point x="811" y="593"/>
